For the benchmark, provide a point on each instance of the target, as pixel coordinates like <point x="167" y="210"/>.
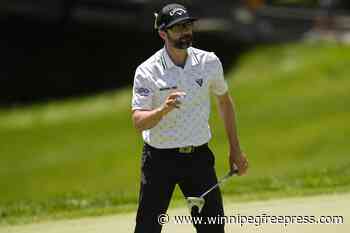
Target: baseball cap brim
<point x="178" y="20"/>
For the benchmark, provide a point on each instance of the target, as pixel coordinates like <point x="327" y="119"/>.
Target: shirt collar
<point x="168" y="63"/>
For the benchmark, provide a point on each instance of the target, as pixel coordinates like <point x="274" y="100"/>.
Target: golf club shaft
<point x="222" y="180"/>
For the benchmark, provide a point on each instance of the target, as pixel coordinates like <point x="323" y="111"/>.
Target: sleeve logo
<point x="142" y="91"/>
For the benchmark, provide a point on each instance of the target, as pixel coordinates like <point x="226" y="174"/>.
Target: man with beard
<point x="171" y="106"/>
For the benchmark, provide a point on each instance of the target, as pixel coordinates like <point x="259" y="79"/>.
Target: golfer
<point x="171" y="106"/>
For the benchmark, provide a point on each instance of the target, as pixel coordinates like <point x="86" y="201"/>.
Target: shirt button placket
<point x="177" y="79"/>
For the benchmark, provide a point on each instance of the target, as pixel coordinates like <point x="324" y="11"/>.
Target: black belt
<point x="183" y="150"/>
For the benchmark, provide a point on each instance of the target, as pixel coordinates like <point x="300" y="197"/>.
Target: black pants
<point x="161" y="170"/>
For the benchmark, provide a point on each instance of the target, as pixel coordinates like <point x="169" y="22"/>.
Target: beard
<point x="183" y="42"/>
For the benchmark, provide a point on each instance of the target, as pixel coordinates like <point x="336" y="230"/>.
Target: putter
<point x="198" y="202"/>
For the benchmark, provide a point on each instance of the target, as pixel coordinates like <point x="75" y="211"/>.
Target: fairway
<point x="331" y="205"/>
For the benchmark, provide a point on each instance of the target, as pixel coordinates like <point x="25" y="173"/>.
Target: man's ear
<point x="162" y="34"/>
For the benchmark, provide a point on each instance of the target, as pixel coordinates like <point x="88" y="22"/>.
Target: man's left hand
<point x="238" y="160"/>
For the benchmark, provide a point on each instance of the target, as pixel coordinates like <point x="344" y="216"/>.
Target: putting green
<point x="326" y="205"/>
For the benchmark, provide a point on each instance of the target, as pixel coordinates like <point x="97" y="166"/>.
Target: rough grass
<point x="81" y="157"/>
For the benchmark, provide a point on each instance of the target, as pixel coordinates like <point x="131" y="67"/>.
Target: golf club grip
<point x="233" y="172"/>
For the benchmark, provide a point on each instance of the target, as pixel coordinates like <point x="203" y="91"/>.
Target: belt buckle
<point x="186" y="149"/>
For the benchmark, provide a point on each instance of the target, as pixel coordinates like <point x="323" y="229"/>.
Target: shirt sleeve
<point x="218" y="84"/>
<point x="142" y="92"/>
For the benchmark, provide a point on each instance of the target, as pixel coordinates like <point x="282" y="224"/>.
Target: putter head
<point x="199" y="202"/>
<point x="195" y="202"/>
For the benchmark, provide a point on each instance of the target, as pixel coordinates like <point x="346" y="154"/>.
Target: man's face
<point x="180" y="35"/>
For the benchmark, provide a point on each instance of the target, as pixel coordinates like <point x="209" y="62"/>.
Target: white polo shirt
<point x="158" y="76"/>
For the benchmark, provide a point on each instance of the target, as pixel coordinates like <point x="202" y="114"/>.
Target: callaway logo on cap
<point x="178" y="11"/>
<point x="170" y="15"/>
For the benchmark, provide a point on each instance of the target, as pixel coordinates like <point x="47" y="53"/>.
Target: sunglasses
<point x="180" y="27"/>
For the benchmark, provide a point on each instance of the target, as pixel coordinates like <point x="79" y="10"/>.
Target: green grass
<point x="82" y="157"/>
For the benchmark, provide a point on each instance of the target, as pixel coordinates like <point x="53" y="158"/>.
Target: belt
<point x="182" y="150"/>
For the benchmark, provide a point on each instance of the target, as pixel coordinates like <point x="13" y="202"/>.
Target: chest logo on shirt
<point x="199" y="82"/>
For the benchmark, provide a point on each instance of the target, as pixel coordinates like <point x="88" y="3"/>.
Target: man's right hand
<point x="146" y="119"/>
<point x="172" y="102"/>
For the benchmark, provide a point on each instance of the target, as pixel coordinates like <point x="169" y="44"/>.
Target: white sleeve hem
<point x="140" y="108"/>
